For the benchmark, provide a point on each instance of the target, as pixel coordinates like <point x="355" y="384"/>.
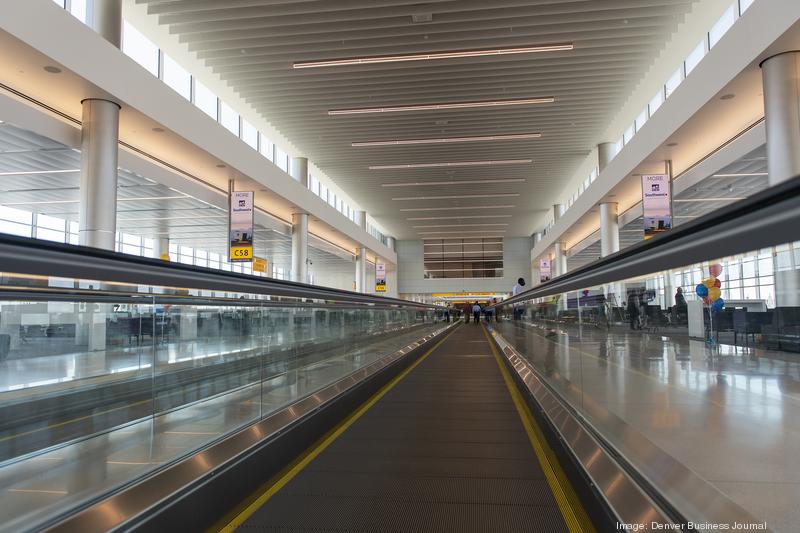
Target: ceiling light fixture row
<point x="452" y="182"/>
<point x="457" y="196"/>
<point x="437" y="107"/>
<point x="454" y="164"/>
<point x="442" y="140"/>
<point x="456" y="54"/>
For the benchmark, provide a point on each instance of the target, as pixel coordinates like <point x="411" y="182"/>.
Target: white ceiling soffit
<point x="252" y="45"/>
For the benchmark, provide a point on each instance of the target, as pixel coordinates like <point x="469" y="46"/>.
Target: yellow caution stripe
<point x="568" y="502"/>
<point x="285" y="476"/>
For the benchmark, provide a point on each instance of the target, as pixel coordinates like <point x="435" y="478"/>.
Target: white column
<point x="556" y="212"/>
<point x="299" y="170"/>
<point x="391" y="270"/>
<point x="361" y="270"/>
<point x="535" y="274"/>
<point x="361" y="219"/>
<point x="605" y="153"/>
<point x="559" y="256"/>
<point x="161" y="248"/>
<point x="669" y="290"/>
<point x="106" y="19"/>
<point x="781" y="78"/>
<point x="609" y="229"/>
<point x="300" y="247"/>
<point x="98" y="187"/>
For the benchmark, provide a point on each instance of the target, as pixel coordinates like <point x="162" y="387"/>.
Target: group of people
<point x="637" y="308"/>
<point x="490" y="311"/>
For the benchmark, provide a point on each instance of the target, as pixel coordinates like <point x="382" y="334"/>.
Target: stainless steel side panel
<point x="132" y="501"/>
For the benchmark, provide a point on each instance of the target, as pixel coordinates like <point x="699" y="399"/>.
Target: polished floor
<point x="44" y="484"/>
<point x="730" y="414"/>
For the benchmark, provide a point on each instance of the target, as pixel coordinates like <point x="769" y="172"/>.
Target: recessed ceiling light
<point x="52" y="70"/>
<point x="727" y="97"/>
<point x="442" y="140"/>
<point x="672" y="144"/>
<point x="457" y="196"/>
<point x="450" y="105"/>
<point x="370" y="60"/>
<point x="454" y="164"/>
<point x="459" y="208"/>
<point x="459" y="217"/>
<point x="220" y="165"/>
<point x="451" y="182"/>
<point x="158" y="130"/>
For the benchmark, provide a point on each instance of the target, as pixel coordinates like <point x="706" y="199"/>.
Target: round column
<point x="609" y="228"/>
<point x="107" y="20"/>
<point x="605" y="153"/>
<point x="299" y="170"/>
<point x="161" y="248"/>
<point x="781" y="79"/>
<point x="97" y="209"/>
<point x="361" y="270"/>
<point x="300" y="247"/>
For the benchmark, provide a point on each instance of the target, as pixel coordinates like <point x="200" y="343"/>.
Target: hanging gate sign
<point x="240" y="226"/>
<point x="656" y="204"/>
<point x="544" y="270"/>
<point x="380" y="277"/>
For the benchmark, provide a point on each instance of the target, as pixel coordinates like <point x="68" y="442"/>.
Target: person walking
<point x="633" y="310"/>
<point x="476" y="312"/>
<point x="467" y="311"/>
<point x="517" y="289"/>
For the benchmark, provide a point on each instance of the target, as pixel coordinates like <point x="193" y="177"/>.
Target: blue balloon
<point x="701" y="290"/>
<point x="718" y="304"/>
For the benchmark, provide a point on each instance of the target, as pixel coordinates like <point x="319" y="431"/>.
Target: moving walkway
<point x="376" y="413"/>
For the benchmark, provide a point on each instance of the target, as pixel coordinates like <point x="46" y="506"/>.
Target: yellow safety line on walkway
<point x="317" y="448"/>
<point x="568" y="503"/>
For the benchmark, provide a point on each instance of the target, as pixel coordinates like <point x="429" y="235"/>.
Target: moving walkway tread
<point x="443" y="450"/>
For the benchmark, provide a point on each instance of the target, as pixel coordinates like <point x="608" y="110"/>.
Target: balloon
<point x="715" y="270"/>
<point x="709" y="282"/>
<point x="707" y="300"/>
<point x="717" y="283"/>
<point x="718" y="304"/>
<point x="714" y="293"/>
<point x="701" y="290"/>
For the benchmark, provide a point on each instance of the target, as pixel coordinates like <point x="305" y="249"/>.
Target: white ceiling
<point x="144" y="207"/>
<point x="251" y="44"/>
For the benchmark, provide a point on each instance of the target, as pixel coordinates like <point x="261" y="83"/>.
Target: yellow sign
<point x="164" y="256"/>
<point x="241" y="253"/>
<point x="259" y="264"/>
<point x="380" y="287"/>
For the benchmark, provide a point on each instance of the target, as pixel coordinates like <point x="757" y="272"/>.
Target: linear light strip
<point x="44" y="202"/>
<point x="462" y="232"/>
<point x="459" y="217"/>
<point x="457" y="196"/>
<point x="461" y="225"/>
<point x="444" y="140"/>
<point x="739" y="174"/>
<point x="454" y="164"/>
<point x="449" y="105"/>
<point x="35" y="172"/>
<point x="682" y="200"/>
<point x="372" y="60"/>
<point x="453" y="182"/>
<point x="461" y="208"/>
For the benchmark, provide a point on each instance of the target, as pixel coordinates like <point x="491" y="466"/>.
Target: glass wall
<point x="102" y="388"/>
<point x="690" y="374"/>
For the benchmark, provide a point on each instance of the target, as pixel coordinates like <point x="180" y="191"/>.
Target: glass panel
<point x="641" y="119"/>
<point x="744" y="5"/>
<point x="722" y="26"/>
<point x="250" y="134"/>
<point x="78" y="9"/>
<point x="281" y="159"/>
<point x="205" y="100"/>
<point x="177" y="77"/>
<point x="695" y="56"/>
<point x="656" y="102"/>
<point x="229" y="118"/>
<point x="266" y="147"/>
<point x="139" y="48"/>
<point x="673" y="82"/>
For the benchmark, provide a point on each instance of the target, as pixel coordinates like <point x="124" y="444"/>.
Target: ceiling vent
<point x="421" y="18"/>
